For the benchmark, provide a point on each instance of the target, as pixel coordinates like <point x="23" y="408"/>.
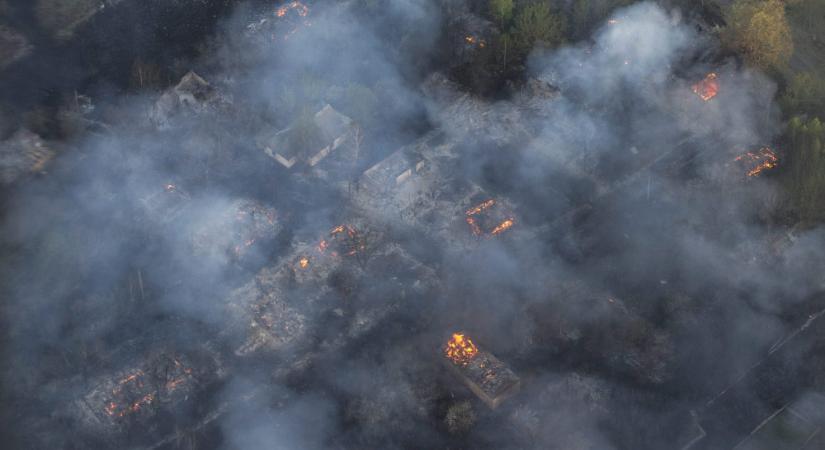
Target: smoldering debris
<point x="270" y="250"/>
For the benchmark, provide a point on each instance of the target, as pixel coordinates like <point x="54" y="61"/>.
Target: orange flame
<point x="472" y="40"/>
<point x="503" y="226"/>
<point x="296" y="6"/>
<point x="303" y="262"/>
<point x="707" y="88"/>
<point x="761" y="160"/>
<point x="481" y="207"/>
<point x="474" y="226"/>
<point x="460" y="349"/>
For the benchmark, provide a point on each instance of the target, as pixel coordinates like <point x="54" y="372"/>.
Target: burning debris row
<point x="758" y="161"/>
<point x="134" y="397"/>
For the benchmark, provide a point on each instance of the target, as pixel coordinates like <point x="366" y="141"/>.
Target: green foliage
<point x="536" y="25"/>
<point x="805" y="94"/>
<point x="581" y="17"/>
<point x="759" y="30"/>
<point x="806" y="168"/>
<point x="502" y="11"/>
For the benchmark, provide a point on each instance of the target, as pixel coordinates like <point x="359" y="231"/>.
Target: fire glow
<point x="136" y="382"/>
<point x="473" y="215"/>
<point x="472" y="40"/>
<point x="759" y="161"/>
<point x="460" y="349"/>
<point x="707" y="88"/>
<point x="346" y="239"/>
<point x="299" y="8"/>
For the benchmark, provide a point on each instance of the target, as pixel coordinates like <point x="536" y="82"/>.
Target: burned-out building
<point x="332" y="281"/>
<point x="485" y="375"/>
<point x="192" y="96"/>
<point x="122" y="405"/>
<point x="328" y="141"/>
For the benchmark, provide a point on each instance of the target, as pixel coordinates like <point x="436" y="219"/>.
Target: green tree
<point x="502" y="11"/>
<point x="805" y="94"/>
<point x="580" y="17"/>
<point x="806" y="168"/>
<point x="759" y="30"/>
<point x="536" y="25"/>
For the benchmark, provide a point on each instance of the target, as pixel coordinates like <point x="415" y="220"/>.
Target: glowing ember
<point x="346" y="239"/>
<point x="759" y="161"/>
<point x="303" y="262"/>
<point x="471" y="221"/>
<point x="472" y="40"/>
<point x="129" y="395"/>
<point x="296" y="6"/>
<point x="707" y="88"/>
<point x="481" y="207"/>
<point x="460" y="349"/>
<point x="473" y="216"/>
<point x="503" y="226"/>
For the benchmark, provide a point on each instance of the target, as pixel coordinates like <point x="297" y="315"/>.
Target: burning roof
<point x="708" y="87"/>
<point x="162" y="381"/>
<point x="756" y="162"/>
<point x="331" y="131"/>
<point x="283" y="22"/>
<point x="486" y="376"/>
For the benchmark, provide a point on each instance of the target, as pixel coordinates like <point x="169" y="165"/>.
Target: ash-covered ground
<point x="268" y="241"/>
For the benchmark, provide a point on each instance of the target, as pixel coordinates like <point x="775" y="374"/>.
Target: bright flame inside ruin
<point x="707" y="88"/>
<point x="476" y="228"/>
<point x="472" y="40"/>
<point x="460" y="349"/>
<point x="759" y="161"/>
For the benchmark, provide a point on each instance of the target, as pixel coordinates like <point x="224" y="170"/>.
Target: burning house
<point x="756" y="162"/>
<point x="350" y="276"/>
<point x="134" y="396"/>
<point x="281" y="23"/>
<point x="489" y="218"/>
<point x="708" y="88"/>
<point x="484" y="374"/>
<point x="327" y="136"/>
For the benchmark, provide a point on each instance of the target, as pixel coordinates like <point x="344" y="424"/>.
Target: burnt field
<point x="320" y="225"/>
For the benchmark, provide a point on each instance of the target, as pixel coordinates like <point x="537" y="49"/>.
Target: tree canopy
<point x="759" y="30"/>
<point x="535" y="24"/>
